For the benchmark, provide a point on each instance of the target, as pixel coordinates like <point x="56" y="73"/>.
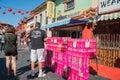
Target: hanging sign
<point x="106" y="6"/>
<point x="50" y="9"/>
<point x="66" y="16"/>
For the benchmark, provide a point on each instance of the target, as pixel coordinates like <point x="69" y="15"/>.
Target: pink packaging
<point x="60" y="68"/>
<point x="54" y="55"/>
<point x="69" y="60"/>
<point x="53" y="65"/>
<point x="60" y="57"/>
<point x="75" y="60"/>
<point x="74" y="75"/>
<point x="65" y="59"/>
<point x="66" y="73"/>
<point x="92" y="43"/>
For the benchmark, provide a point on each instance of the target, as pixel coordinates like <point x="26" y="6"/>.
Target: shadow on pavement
<point x="22" y="70"/>
<point x="3" y="71"/>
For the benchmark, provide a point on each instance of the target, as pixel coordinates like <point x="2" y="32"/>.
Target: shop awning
<point x="109" y="16"/>
<point x="64" y="23"/>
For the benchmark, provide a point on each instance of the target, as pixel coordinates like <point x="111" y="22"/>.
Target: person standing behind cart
<point x="37" y="38"/>
<point x="27" y="41"/>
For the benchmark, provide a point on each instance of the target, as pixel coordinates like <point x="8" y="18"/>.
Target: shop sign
<point x="50" y="9"/>
<point x="62" y="17"/>
<point x="106" y="6"/>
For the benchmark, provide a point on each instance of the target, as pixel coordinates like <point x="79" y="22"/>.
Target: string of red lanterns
<point x="22" y="12"/>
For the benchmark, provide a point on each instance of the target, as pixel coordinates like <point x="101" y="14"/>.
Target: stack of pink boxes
<point x="72" y="53"/>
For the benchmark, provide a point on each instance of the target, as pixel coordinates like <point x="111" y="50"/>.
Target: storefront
<point x="67" y="28"/>
<point x="107" y="34"/>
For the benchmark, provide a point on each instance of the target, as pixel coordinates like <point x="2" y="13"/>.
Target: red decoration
<point x="27" y="12"/>
<point x="22" y="13"/>
<point x="31" y="13"/>
<point x="13" y="13"/>
<point x="9" y="9"/>
<point x="4" y="12"/>
<point x="19" y="11"/>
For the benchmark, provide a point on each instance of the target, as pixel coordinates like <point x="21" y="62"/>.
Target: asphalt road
<point x="23" y="69"/>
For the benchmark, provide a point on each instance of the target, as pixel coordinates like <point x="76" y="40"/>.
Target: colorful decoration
<point x="90" y="13"/>
<point x="4" y="12"/>
<point x="19" y="11"/>
<point x="13" y="13"/>
<point x="27" y="12"/>
<point x="22" y="13"/>
<point x="10" y="9"/>
<point x="31" y="13"/>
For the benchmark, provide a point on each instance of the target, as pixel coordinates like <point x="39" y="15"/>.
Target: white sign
<point x="106" y="6"/>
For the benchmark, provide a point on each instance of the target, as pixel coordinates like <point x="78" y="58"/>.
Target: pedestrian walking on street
<point x="27" y="39"/>
<point x="11" y="49"/>
<point x="2" y="42"/>
<point x="37" y="38"/>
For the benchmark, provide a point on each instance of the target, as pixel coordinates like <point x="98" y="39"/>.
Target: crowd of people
<point x="34" y="38"/>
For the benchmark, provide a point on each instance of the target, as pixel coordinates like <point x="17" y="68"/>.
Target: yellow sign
<point x="50" y="9"/>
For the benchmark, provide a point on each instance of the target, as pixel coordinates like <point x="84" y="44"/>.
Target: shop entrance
<point x="73" y="32"/>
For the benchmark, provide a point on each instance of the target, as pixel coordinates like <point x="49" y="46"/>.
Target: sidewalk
<point x="24" y="70"/>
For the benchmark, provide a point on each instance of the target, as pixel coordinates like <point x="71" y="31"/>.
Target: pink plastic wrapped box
<point x="75" y="60"/>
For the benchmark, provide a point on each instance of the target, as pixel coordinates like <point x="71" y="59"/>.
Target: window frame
<point x="65" y="5"/>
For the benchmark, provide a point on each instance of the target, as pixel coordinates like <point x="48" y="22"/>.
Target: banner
<point x="50" y="9"/>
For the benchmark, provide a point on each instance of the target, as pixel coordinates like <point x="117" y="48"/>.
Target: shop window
<point x="108" y="37"/>
<point x="41" y="18"/>
<point x="35" y="18"/>
<point x="69" y="4"/>
<point x="46" y="20"/>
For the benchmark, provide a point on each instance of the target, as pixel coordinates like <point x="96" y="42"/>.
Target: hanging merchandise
<point x="10" y="9"/>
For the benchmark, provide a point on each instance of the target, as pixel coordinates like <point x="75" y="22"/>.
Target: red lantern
<point x="13" y="13"/>
<point x="9" y="9"/>
<point x="31" y="13"/>
<point x="22" y="13"/>
<point x="4" y="12"/>
<point x="19" y="11"/>
<point x="27" y="12"/>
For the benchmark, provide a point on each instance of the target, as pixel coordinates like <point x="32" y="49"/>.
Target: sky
<point x="16" y="5"/>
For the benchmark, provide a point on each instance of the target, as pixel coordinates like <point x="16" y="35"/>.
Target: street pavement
<point x="23" y="69"/>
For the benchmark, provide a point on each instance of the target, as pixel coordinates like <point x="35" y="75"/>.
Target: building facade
<point x="41" y="16"/>
<point x="67" y="10"/>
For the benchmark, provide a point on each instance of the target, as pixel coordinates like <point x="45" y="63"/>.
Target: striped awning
<point x="109" y="16"/>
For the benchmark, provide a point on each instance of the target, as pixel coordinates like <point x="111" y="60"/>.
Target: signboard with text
<point x="66" y="16"/>
<point x="106" y="6"/>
